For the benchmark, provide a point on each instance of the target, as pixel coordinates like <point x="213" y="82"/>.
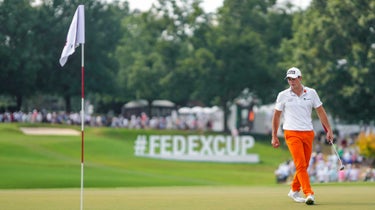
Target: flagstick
<point x="76" y="36"/>
<point x="82" y="119"/>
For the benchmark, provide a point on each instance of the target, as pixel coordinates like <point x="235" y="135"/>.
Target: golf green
<point x="345" y="196"/>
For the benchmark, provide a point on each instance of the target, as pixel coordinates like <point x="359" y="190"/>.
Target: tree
<point x="140" y="65"/>
<point x="366" y="145"/>
<point x="101" y="40"/>
<point x="240" y="53"/>
<point x="187" y="41"/>
<point x="19" y="56"/>
<point x="336" y="53"/>
<point x="154" y="47"/>
<point x="203" y="57"/>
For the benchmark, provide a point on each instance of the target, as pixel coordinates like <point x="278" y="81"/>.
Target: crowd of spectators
<point x="324" y="166"/>
<point x="41" y="117"/>
<point x="143" y="121"/>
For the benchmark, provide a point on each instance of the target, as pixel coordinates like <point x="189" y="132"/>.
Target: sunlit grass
<point x="55" y="161"/>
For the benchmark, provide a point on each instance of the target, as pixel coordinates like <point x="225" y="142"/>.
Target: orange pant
<point x="300" y="146"/>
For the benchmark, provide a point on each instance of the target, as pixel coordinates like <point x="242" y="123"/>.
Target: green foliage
<point x="32" y="37"/>
<point x="176" y="51"/>
<point x="336" y="54"/>
<point x="20" y="60"/>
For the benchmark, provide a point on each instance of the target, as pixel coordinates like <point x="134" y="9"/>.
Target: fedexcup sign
<point x="218" y="148"/>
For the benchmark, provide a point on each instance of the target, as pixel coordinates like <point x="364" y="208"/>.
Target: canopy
<point x="163" y="103"/>
<point x="136" y="104"/>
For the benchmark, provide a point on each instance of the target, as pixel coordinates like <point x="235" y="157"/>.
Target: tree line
<point x="177" y="51"/>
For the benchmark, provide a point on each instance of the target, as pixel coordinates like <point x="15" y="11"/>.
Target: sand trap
<point x="50" y="131"/>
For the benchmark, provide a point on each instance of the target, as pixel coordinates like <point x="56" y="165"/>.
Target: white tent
<point x="184" y="110"/>
<point x="136" y="104"/>
<point x="163" y="103"/>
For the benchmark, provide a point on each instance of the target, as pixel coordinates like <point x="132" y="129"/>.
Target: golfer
<point x="297" y="103"/>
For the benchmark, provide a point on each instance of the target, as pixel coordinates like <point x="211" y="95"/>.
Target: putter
<point x="337" y="154"/>
<point x="334" y="148"/>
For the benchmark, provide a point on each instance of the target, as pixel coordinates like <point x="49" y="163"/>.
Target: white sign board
<point x="214" y="148"/>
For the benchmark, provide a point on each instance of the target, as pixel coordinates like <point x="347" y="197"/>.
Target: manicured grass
<point x="54" y="162"/>
<point x="339" y="196"/>
<point x="43" y="173"/>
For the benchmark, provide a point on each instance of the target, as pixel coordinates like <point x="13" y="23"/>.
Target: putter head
<point x="342" y="168"/>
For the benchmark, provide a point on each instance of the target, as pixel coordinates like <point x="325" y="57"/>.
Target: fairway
<point x="53" y="161"/>
<point x="42" y="173"/>
<point x="328" y="197"/>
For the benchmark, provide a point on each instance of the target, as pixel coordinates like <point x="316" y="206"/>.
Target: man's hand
<point x="275" y="142"/>
<point x="329" y="136"/>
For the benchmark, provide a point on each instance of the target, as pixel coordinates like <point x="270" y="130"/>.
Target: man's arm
<point x="324" y="120"/>
<point x="275" y="127"/>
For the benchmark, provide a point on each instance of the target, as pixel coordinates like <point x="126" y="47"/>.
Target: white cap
<point x="293" y="73"/>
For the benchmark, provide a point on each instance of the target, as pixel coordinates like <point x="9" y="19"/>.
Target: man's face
<point x="294" y="82"/>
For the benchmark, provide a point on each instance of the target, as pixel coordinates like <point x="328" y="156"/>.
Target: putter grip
<point x="325" y="129"/>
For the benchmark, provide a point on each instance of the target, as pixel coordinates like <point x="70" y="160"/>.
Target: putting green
<point x="328" y="197"/>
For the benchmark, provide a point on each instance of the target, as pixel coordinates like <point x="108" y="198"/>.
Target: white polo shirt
<point x="297" y="109"/>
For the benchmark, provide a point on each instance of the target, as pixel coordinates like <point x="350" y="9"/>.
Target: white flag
<point x="76" y="34"/>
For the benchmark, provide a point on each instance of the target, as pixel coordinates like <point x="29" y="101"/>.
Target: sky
<point x="208" y="5"/>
